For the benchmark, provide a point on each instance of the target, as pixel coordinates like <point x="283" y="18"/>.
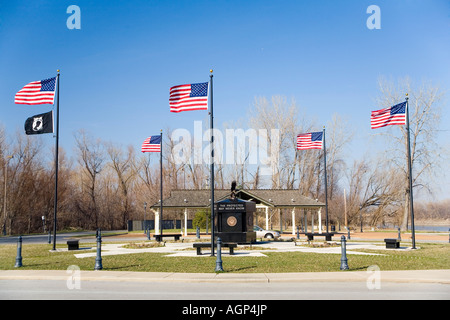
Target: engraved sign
<point x="230" y="207"/>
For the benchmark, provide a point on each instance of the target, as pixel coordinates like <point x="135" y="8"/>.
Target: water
<point x="435" y="228"/>
<point x="441" y="228"/>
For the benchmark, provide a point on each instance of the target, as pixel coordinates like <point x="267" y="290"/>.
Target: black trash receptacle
<point x="333" y="228"/>
<point x="73" y="245"/>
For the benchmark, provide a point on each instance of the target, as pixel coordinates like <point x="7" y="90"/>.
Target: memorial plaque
<point x="235" y="220"/>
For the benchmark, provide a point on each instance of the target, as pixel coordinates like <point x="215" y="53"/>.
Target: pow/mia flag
<point x="40" y="123"/>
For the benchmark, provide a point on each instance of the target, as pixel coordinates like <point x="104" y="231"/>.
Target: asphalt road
<point x="88" y="236"/>
<point x="113" y="290"/>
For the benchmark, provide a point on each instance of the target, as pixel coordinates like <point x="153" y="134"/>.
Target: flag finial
<point x="211" y="70"/>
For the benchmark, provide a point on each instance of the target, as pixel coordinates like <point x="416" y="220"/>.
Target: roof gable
<point x="269" y="197"/>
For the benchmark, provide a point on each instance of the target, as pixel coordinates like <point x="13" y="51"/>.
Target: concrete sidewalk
<point x="179" y="249"/>
<point x="414" y="276"/>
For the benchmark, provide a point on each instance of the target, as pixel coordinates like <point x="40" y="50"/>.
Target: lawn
<point x="38" y="257"/>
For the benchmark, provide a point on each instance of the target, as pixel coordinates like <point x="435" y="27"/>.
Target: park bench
<point x="327" y="236"/>
<point x="72" y="245"/>
<point x="201" y="245"/>
<point x="159" y="237"/>
<point x="392" y="243"/>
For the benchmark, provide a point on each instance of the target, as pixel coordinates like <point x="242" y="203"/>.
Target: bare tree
<point x="280" y="115"/>
<point x="122" y="164"/>
<point x="91" y="160"/>
<point x="425" y="113"/>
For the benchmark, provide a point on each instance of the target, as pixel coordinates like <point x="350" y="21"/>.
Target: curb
<point x="414" y="276"/>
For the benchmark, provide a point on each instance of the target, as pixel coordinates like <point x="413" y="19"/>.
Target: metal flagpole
<point x="325" y="175"/>
<point x="212" y="161"/>
<point x="411" y="201"/>
<point x="161" y="187"/>
<point x="56" y="162"/>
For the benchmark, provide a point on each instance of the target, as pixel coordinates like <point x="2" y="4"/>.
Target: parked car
<point x="268" y="234"/>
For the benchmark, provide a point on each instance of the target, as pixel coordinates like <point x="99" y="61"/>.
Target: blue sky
<point x="117" y="69"/>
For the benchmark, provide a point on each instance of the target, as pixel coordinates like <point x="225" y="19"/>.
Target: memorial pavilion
<point x="267" y="200"/>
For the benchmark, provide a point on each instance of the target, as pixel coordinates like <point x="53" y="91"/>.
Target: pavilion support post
<point x="320" y="220"/>
<point x="157" y="222"/>
<point x="267" y="218"/>
<point x="185" y="221"/>
<point x="293" y="221"/>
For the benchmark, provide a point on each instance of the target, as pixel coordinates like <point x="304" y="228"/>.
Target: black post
<point x="198" y="232"/>
<point x="411" y="201"/>
<point x="161" y="188"/>
<point x="360" y="218"/>
<point x="399" y="238"/>
<point x="219" y="267"/>
<point x="344" y="264"/>
<point x="19" y="253"/>
<point x="211" y="112"/>
<point x="56" y="162"/>
<point x="325" y="176"/>
<point x="98" y="259"/>
<point x="49" y="236"/>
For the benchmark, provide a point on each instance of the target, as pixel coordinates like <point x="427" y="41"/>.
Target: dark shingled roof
<point x="271" y="197"/>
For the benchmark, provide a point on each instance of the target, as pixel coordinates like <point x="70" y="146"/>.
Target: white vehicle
<point x="268" y="234"/>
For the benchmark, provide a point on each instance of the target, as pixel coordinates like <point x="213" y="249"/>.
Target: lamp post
<point x="98" y="259"/>
<point x="344" y="263"/>
<point x="145" y="213"/>
<point x="43" y="223"/>
<point x="19" y="253"/>
<point x="360" y="218"/>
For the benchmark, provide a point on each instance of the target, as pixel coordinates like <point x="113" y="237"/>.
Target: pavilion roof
<point x="276" y="198"/>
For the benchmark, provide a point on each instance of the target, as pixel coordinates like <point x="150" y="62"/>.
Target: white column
<point x="293" y="221"/>
<point x="157" y="227"/>
<point x="267" y="218"/>
<point x="185" y="222"/>
<point x="320" y="220"/>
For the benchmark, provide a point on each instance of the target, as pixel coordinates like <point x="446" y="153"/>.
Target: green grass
<point x="38" y="257"/>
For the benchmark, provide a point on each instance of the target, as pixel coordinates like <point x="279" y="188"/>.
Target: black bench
<point x="327" y="236"/>
<point x="72" y="245"/>
<point x="159" y="237"/>
<point x="392" y="243"/>
<point x="201" y="245"/>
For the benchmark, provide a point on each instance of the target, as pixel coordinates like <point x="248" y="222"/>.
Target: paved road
<point x="86" y="236"/>
<point x="109" y="290"/>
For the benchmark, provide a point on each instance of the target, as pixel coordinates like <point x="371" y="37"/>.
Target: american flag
<point x="152" y="144"/>
<point x="188" y="97"/>
<point x="311" y="140"/>
<point x="395" y="115"/>
<point x="37" y="92"/>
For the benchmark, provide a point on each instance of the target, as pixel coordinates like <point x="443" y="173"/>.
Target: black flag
<point x="40" y="123"/>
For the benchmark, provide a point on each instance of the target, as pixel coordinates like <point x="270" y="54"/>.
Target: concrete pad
<point x="180" y="249"/>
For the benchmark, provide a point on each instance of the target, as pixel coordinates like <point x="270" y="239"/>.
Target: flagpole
<point x="325" y="177"/>
<point x="161" y="187"/>
<point x="411" y="201"/>
<point x="212" y="161"/>
<point x="56" y="162"/>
